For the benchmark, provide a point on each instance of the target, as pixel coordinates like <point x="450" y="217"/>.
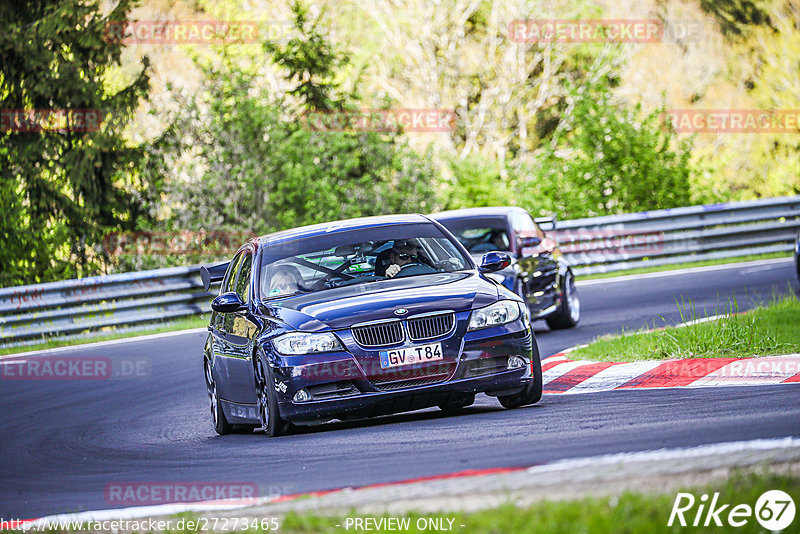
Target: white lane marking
<point x="701" y="320"/>
<point x="96" y="344"/>
<point x="614" y="376"/>
<point x="756" y="269"/>
<point x="715" y="449"/>
<point x="773" y="263"/>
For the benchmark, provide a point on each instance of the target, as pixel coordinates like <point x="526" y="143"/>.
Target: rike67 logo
<point x="774" y="510"/>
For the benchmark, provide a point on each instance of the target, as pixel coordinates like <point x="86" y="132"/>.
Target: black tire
<point x="221" y="424"/>
<point x="569" y="313"/>
<point x="271" y="422"/>
<point x="533" y="391"/>
<point x="455" y="406"/>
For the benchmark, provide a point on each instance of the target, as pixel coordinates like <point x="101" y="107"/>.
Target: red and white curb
<point x="562" y="375"/>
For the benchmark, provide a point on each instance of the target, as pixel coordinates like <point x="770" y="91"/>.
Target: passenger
<point x="285" y="281"/>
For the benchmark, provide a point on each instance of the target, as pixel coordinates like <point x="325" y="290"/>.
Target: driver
<point x="402" y="253"/>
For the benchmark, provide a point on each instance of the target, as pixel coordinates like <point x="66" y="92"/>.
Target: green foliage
<point x="61" y="189"/>
<point x="606" y="159"/>
<point x="602" y="158"/>
<point x="249" y="160"/>
<point x="476" y="182"/>
<point x="311" y="63"/>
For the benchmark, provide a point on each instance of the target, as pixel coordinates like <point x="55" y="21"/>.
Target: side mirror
<point x="227" y="303"/>
<point x="529" y="241"/>
<point x="547" y="223"/>
<point x="494" y="261"/>
<point x="211" y="274"/>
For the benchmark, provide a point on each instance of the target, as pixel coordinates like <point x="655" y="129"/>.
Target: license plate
<point x="410" y="355"/>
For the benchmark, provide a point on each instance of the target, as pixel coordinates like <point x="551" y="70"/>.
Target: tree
<point x="310" y="63"/>
<point x="607" y="158"/>
<point x="248" y="158"/>
<point x="69" y="176"/>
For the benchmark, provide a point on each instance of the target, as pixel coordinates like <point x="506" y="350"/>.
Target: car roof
<point x="468" y="213"/>
<point x="327" y="228"/>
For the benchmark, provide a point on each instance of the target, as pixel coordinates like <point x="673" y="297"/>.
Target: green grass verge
<point x="771" y="329"/>
<point x="687" y="265"/>
<point x="197" y="321"/>
<point x="627" y="513"/>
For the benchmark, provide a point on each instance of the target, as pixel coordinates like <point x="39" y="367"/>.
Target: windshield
<point x="356" y="257"/>
<point x="480" y="235"/>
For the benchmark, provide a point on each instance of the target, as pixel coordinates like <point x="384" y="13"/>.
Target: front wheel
<point x="221" y="424"/>
<point x="533" y="391"/>
<point x="271" y="421"/>
<point x="569" y="313"/>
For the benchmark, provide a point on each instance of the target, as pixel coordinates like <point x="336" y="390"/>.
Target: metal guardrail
<point x="599" y="244"/>
<point x="670" y="236"/>
<point x="87" y="306"/>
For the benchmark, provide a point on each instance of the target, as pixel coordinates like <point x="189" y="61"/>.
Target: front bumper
<point x="477" y="365"/>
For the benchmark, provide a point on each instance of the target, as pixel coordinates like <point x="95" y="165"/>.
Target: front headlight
<point x="501" y="312"/>
<point x="302" y="343"/>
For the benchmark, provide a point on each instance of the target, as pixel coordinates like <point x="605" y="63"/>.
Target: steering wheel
<point x="425" y="269"/>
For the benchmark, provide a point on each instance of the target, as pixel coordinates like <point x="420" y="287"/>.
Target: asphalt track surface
<point x="63" y="442"/>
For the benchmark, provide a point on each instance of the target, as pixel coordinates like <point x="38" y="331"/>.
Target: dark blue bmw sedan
<point x="359" y="318"/>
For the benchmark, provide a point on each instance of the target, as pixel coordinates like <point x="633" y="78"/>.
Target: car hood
<point x="342" y="307"/>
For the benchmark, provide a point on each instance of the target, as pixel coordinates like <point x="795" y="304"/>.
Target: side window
<point x="523" y="223"/>
<point x="230" y="276"/>
<point x="243" y="280"/>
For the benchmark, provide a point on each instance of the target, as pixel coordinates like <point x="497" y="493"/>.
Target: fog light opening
<point x="516" y="362"/>
<point x="301" y="396"/>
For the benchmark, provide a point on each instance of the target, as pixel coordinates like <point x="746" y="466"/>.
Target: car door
<point x="219" y="341"/>
<point x="538" y="267"/>
<point x="239" y="331"/>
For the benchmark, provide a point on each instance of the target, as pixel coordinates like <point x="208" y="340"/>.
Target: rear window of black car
<point x="479" y="235"/>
